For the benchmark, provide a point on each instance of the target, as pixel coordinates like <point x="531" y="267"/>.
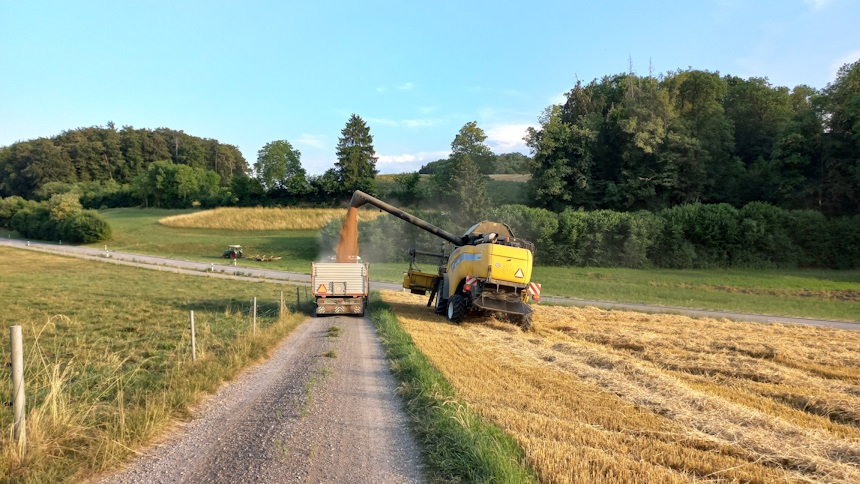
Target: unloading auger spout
<point x="360" y="198"/>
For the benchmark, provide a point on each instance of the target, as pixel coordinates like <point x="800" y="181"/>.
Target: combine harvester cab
<point x="340" y="288"/>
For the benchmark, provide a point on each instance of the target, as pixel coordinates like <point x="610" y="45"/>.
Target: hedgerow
<point x="698" y="235"/>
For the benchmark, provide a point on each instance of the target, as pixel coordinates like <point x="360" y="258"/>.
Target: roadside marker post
<point x="193" y="339"/>
<point x="19" y="431"/>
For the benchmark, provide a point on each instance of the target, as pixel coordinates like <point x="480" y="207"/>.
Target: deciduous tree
<point x="279" y="167"/>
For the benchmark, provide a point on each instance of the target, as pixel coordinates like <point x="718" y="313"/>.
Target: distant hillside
<point x="105" y="153"/>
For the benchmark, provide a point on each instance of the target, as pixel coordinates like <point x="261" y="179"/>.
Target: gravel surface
<point x="200" y="268"/>
<point x="300" y="416"/>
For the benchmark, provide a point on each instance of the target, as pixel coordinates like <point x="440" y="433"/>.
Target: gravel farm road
<point x="202" y="268"/>
<point x="300" y="416"/>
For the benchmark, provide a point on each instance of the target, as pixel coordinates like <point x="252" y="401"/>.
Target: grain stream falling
<point x="347" y="245"/>
<point x="612" y="396"/>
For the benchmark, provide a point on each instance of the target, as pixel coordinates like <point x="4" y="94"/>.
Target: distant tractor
<point x="233" y="252"/>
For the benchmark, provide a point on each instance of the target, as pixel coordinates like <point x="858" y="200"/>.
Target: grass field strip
<point x="269" y="275"/>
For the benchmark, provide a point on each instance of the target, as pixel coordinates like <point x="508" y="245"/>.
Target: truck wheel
<point x="441" y="304"/>
<point x="456" y="307"/>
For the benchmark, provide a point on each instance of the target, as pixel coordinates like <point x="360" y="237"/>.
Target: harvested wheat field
<point x="260" y="218"/>
<point x="611" y="396"/>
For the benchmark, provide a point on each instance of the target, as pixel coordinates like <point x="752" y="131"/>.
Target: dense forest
<point x="627" y="142"/>
<point x="102" y="154"/>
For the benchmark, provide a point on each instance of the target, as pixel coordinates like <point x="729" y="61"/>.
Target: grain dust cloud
<point x="347" y="246"/>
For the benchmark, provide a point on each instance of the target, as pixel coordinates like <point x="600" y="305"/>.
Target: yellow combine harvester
<point x="488" y="270"/>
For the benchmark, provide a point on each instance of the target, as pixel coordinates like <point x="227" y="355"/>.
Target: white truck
<point x="340" y="287"/>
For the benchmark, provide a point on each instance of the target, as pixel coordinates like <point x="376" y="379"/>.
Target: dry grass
<point x="609" y="396"/>
<point x="107" y="356"/>
<point x="260" y="218"/>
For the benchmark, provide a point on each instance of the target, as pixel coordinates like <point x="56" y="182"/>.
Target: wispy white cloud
<point x="395" y="159"/>
<point x="504" y="138"/>
<point x="315" y="140"/>
<point x="408" y="123"/>
<point x="495" y="91"/>
<point x="490" y="116"/>
<point x="406" y="86"/>
<point x="384" y="121"/>
<point x="818" y="4"/>
<point x="421" y="123"/>
<point x="407" y="162"/>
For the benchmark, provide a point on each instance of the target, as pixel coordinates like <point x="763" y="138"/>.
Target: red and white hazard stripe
<point x="470" y="281"/>
<point x="534" y="290"/>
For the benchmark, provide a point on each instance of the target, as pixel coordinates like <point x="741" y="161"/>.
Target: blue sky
<point x="247" y="73"/>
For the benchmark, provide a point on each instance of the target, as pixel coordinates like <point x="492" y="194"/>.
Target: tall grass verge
<point x="79" y="424"/>
<point x="456" y="444"/>
<point x="114" y="370"/>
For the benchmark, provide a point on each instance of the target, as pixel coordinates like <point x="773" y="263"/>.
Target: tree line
<point x="165" y="168"/>
<point x="106" y="154"/>
<point x="623" y="142"/>
<point x="628" y="142"/>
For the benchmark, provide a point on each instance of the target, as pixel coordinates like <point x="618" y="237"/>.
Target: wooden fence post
<point x="255" y="316"/>
<point x="193" y="339"/>
<point x="298" y="300"/>
<point x="18" y="402"/>
<point x="281" y="309"/>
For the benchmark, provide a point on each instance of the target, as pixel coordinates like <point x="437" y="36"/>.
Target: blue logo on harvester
<point x="465" y="257"/>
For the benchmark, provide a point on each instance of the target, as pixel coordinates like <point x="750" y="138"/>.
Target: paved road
<point x="202" y="268"/>
<point x="300" y="416"/>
